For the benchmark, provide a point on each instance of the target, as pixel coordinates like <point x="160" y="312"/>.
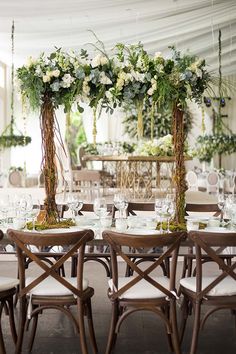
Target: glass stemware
<point x="25" y="205"/>
<point x="221" y="206"/>
<point x="100" y="207"/>
<point x="158" y="210"/>
<point x="74" y="204"/>
<point x="168" y="209"/>
<point x="34" y="213"/>
<point x="120" y="203"/>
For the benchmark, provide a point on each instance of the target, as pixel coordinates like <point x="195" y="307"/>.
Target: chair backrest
<point x="117" y="240"/>
<point x="213" y="181"/>
<point x="192" y="180"/>
<point x="135" y="206"/>
<point x="71" y="241"/>
<point x="203" y="208"/>
<point x="88" y="208"/>
<point x="207" y="243"/>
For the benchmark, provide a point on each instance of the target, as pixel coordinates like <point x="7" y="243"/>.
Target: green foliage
<point x="130" y="75"/>
<point x="162" y="121"/>
<point x="209" y="145"/>
<point x="7" y="141"/>
<point x="75" y="136"/>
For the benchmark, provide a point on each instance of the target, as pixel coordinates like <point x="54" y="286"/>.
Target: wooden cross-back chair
<point x="212" y="209"/>
<point x="131" y="210"/>
<point x="143" y="291"/>
<point x="50" y="289"/>
<point x="7" y="291"/>
<point x="104" y="258"/>
<point x="216" y="291"/>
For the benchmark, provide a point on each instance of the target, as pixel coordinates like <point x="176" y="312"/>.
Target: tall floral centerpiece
<point x="47" y="83"/>
<point x="178" y="79"/>
<point x="161" y="81"/>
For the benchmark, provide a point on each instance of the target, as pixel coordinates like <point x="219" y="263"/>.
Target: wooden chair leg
<point x="175" y="334"/>
<point x="112" y="333"/>
<point x="21" y="324"/>
<point x="33" y="331"/>
<point x="12" y="318"/>
<point x="196" y="327"/>
<point x="2" y="345"/>
<point x="184" y="317"/>
<point x="83" y="342"/>
<point x="91" y="327"/>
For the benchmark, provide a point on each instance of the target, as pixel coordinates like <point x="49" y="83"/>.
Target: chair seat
<point x="8" y="283"/>
<point x="142" y="289"/>
<point x="51" y="287"/>
<point x="227" y="287"/>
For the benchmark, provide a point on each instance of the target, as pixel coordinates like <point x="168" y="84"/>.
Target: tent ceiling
<point x="193" y="25"/>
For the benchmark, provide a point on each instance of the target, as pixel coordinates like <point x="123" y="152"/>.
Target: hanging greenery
<point x="162" y="124"/>
<point x="10" y="138"/>
<point x="219" y="142"/>
<point x="210" y="145"/>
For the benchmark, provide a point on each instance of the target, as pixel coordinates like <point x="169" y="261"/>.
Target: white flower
<point x="46" y="78"/>
<point x="150" y="91"/>
<point x="104" y="79"/>
<point x="138" y="76"/>
<point x="67" y="80"/>
<point x="55" y="73"/>
<point x="103" y="60"/>
<point x="158" y="55"/>
<point x="86" y="88"/>
<point x="38" y="70"/>
<point x="99" y="60"/>
<point x="31" y="61"/>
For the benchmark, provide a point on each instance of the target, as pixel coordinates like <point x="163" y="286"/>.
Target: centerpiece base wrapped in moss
<point x="40" y="226"/>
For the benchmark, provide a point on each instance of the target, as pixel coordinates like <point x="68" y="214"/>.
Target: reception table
<point x="138" y="174"/>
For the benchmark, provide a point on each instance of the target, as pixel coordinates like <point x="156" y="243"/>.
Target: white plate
<point x="142" y="231"/>
<point x="202" y="215"/>
<point x="217" y="229"/>
<point x="62" y="230"/>
<point x="197" y="218"/>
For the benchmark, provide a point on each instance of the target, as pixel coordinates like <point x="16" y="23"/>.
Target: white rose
<point x="103" y="60"/>
<point x="46" y="78"/>
<point x="96" y="61"/>
<point x="67" y="80"/>
<point x="56" y="73"/>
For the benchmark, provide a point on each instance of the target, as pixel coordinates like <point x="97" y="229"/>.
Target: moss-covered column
<point x="179" y="173"/>
<point x="49" y="168"/>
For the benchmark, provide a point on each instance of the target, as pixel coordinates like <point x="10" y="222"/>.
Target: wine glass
<point x="168" y="209"/>
<point x="25" y="205"/>
<point x="74" y="204"/>
<point x="100" y="207"/>
<point x="221" y="205"/>
<point x="34" y="213"/>
<point x="4" y="208"/>
<point x="120" y="203"/>
<point x="158" y="210"/>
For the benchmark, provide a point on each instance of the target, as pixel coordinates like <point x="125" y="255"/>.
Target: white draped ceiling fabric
<point x="187" y="24"/>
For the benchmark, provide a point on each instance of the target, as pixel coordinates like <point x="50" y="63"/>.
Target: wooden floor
<point x="142" y="333"/>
